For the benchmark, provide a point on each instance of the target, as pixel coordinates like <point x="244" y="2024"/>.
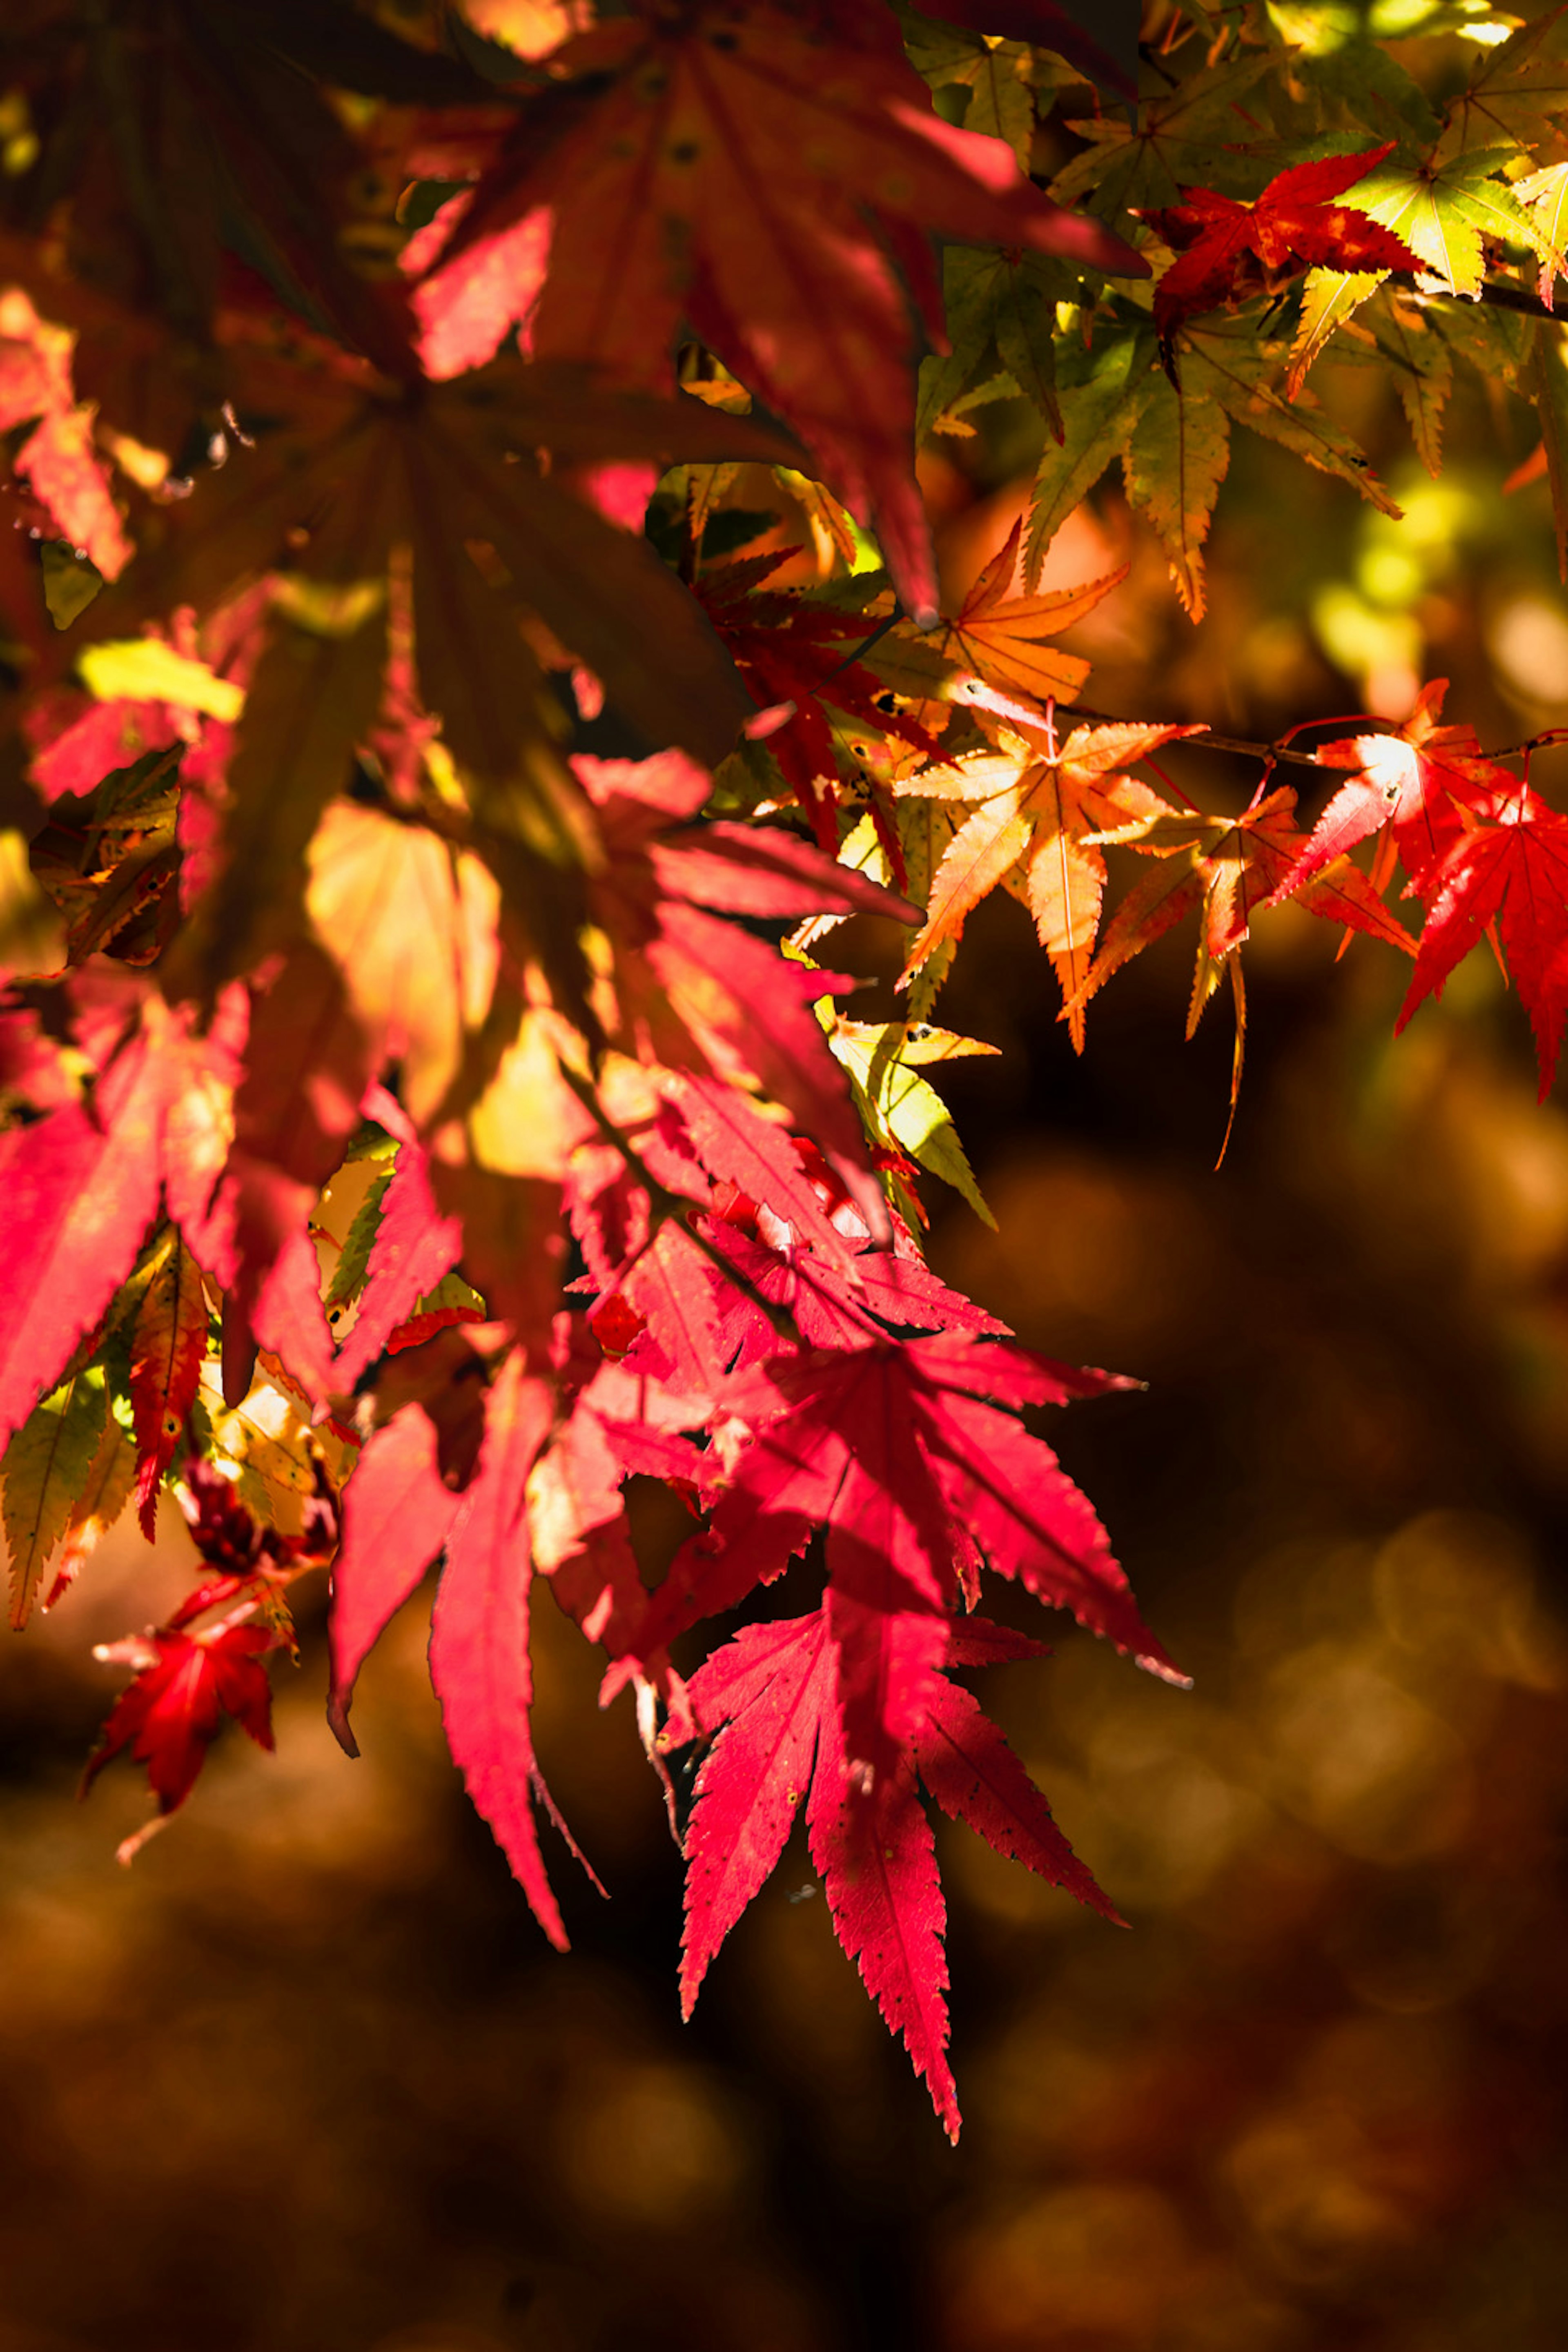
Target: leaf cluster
<point x="472" y="635"/>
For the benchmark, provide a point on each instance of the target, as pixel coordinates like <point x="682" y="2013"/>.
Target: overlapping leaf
<point x="771" y="1694"/>
<point x="767" y="172"/>
<point x="1040" y="808"/>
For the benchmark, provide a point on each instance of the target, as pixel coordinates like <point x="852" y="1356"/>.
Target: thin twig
<point x="1271" y="753"/>
<point x="1500" y="293"/>
<point x="860" y="651"/>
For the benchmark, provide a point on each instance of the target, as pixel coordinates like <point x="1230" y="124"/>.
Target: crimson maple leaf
<point x="1228" y="251"/>
<point x="399" y="1514"/>
<point x="83" y="1185"/>
<point x="1509" y="868"/>
<point x="186" y="1681"/>
<point x="771" y="1694"/>
<point x="696" y="992"/>
<point x="1416" y="782"/>
<point x="895" y="1448"/>
<point x="186" y="1684"/>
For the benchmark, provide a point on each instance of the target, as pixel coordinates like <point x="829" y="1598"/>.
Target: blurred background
<point x="307" y="2075"/>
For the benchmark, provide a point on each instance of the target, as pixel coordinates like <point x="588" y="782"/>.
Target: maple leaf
<point x="767" y="172"/>
<point x="877" y="1858"/>
<point x="1449" y="209"/>
<point x="1230" y="867"/>
<point x="186" y="1684"/>
<point x="479" y="1632"/>
<point x="397" y="1514"/>
<point x="1416" y="782"/>
<point x="694" y="990"/>
<point x="1035" y="829"/>
<point x="895" y="1450"/>
<point x="1150" y="156"/>
<point x="771" y="1695"/>
<point x="83" y="1185"/>
<point x="1175" y="443"/>
<point x="1003" y="639"/>
<point x="1227" y="250"/>
<point x="1509" y="868"/>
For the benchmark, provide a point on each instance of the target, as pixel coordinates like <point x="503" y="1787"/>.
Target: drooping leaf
<point x="974" y="1775"/>
<point x="878" y="1859"/>
<point x="770" y="1686"/>
<point x="895" y="1451"/>
<point x="397" y="1514"/>
<point x="479" y="1633"/>
<point x="46" y="1466"/>
<point x="168" y="1342"/>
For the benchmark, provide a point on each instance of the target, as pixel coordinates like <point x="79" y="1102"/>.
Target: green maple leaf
<point x="1180" y="138"/>
<point x="1447" y="212"/>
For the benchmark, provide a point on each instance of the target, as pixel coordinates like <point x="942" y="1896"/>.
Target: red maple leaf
<point x="186" y="1684"/>
<point x="1511" y="868"/>
<point x="1228" y="251"/>
<point x="895" y="1448"/>
<point x="772" y="1695"/>
<point x="83" y="1185"/>
<point x="1418" y="782"/>
<point x="695" y="991"/>
<point x="399" y="1514"/>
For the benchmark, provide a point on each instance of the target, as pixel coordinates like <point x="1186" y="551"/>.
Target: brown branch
<point x="1499" y="292"/>
<point x="1272" y="754"/>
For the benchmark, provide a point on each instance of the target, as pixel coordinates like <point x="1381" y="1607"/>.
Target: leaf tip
<point x="338" y="1704"/>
